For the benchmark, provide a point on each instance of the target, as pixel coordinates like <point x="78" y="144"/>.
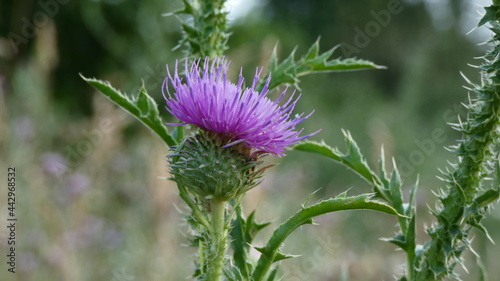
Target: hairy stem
<point x="462" y="203"/>
<point x="218" y="243"/>
<point x="206" y="35"/>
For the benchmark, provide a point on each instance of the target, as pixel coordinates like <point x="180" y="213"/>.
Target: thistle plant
<point x="205" y="34"/>
<point x="225" y="130"/>
<point x="237" y="126"/>
<point x="467" y="194"/>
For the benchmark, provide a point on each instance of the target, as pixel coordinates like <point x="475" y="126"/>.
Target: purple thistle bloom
<point x="241" y="115"/>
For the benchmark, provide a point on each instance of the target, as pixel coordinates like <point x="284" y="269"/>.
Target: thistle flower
<point x="234" y="113"/>
<point x="237" y="126"/>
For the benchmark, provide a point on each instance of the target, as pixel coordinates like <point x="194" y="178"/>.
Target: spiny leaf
<point x="410" y="239"/>
<point x="395" y="190"/>
<point x="289" y="70"/>
<point x="253" y="227"/>
<point x="488" y="197"/>
<point x="353" y="159"/>
<point x="483" y="229"/>
<point x="304" y="215"/>
<point x="313" y="51"/>
<point x="144" y="108"/>
<point x="242" y="233"/>
<point x="413" y="193"/>
<point x="277" y="256"/>
<point x="280" y="256"/>
<point x="233" y="274"/>
<point x="322" y="64"/>
<point x="490" y="15"/>
<point x="381" y="166"/>
<point x="309" y="198"/>
<point x="398" y="240"/>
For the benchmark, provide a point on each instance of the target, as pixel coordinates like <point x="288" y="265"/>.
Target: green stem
<point x="410" y="261"/>
<point x="218" y="243"/>
<point x="461" y="208"/>
<point x="205" y="35"/>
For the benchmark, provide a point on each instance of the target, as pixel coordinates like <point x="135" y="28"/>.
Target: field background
<point x="90" y="203"/>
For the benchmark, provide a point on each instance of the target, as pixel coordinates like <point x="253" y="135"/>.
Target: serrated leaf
<point x="395" y="189"/>
<point x="483" y="229"/>
<point x="233" y="274"/>
<point x="490" y="15"/>
<point x="353" y="159"/>
<point x="412" y="199"/>
<point x="412" y="249"/>
<point x="411" y="233"/>
<point x="309" y="198"/>
<point x="147" y="106"/>
<point x="273" y="60"/>
<point x="322" y="64"/>
<point x="313" y="51"/>
<point x="191" y="31"/>
<point x="253" y="227"/>
<point x="280" y="256"/>
<point x="339" y="203"/>
<point x="381" y="167"/>
<point x="242" y="233"/>
<point x="144" y="108"/>
<point x="289" y="70"/>
<point x="319" y="148"/>
<point x="398" y="240"/>
<point x="488" y="197"/>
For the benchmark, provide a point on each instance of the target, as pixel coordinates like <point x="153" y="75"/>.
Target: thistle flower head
<point x="202" y="165"/>
<point x="237" y="115"/>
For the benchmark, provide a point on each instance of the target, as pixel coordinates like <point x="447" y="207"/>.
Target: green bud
<point x="203" y="166"/>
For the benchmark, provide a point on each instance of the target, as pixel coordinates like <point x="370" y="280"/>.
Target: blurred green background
<point x="90" y="203"/>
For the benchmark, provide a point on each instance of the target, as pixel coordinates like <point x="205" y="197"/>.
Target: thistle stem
<point x="218" y="243"/>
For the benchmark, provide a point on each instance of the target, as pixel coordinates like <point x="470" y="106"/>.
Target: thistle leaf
<point x="289" y="70"/>
<point x="144" y="108"/>
<point x="271" y="251"/>
<point x="395" y="190"/>
<point x="280" y="256"/>
<point x="490" y="15"/>
<point x="242" y="233"/>
<point x="398" y="240"/>
<point x="353" y="159"/>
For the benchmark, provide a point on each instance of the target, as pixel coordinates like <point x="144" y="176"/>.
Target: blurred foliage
<point x="90" y="205"/>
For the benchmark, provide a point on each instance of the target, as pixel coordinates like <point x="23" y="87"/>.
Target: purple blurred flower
<point x="54" y="164"/>
<point x="74" y="186"/>
<point x="234" y="113"/>
<point x="77" y="184"/>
